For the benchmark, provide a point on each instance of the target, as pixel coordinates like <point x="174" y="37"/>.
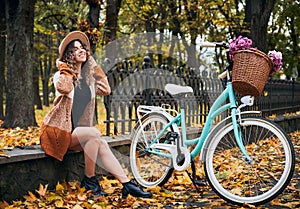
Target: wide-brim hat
<point x="70" y="37"/>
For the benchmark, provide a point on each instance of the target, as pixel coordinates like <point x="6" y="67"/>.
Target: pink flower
<point x="239" y="43"/>
<point x="242" y="43"/>
<point x="276" y="57"/>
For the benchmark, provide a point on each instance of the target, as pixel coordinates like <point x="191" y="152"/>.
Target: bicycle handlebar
<point x="213" y="44"/>
<point x="223" y="75"/>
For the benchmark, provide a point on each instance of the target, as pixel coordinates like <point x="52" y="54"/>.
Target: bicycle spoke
<point x="149" y="168"/>
<point x="261" y="180"/>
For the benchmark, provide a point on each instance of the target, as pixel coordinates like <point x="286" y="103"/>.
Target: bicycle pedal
<point x="171" y="136"/>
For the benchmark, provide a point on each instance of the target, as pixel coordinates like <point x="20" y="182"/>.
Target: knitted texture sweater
<point x="56" y="130"/>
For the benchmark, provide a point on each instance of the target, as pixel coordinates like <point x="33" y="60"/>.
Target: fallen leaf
<point x="42" y="190"/>
<point x="82" y="197"/>
<point x="77" y="207"/>
<point x="59" y="203"/>
<point x="30" y="197"/>
<point x="59" y="188"/>
<point x="3" y="204"/>
<point x="4" y="154"/>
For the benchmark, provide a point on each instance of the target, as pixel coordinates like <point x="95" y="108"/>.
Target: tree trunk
<point x="37" y="98"/>
<point x="93" y="19"/>
<point x="36" y="77"/>
<point x="258" y="13"/>
<point x="19" y="96"/>
<point x="175" y="29"/>
<point x="111" y="24"/>
<point x="2" y="56"/>
<point x="45" y="82"/>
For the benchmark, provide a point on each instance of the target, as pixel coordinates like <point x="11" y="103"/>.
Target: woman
<point x="70" y="123"/>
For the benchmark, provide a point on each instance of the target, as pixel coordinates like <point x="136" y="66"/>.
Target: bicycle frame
<point x="216" y="109"/>
<point x="160" y="146"/>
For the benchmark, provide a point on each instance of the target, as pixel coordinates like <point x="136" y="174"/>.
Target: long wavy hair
<point x="86" y="68"/>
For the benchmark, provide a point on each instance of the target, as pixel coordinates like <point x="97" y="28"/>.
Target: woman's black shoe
<point x="134" y="190"/>
<point x="92" y="184"/>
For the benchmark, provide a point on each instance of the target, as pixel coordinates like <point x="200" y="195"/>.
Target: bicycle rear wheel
<point x="256" y="182"/>
<point x="150" y="169"/>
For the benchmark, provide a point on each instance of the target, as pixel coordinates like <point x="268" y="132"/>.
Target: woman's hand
<point x="103" y="88"/>
<point x="58" y="63"/>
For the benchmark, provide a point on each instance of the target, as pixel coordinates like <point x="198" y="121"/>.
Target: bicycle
<point x="247" y="158"/>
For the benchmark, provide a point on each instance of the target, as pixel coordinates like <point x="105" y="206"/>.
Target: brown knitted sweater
<point x="56" y="129"/>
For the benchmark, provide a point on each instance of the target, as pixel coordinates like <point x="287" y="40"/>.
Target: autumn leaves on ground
<point x="179" y="192"/>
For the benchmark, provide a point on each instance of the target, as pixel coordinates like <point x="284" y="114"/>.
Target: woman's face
<point x="79" y="52"/>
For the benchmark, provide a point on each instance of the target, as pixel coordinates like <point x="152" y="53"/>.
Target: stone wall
<point x="26" y="169"/>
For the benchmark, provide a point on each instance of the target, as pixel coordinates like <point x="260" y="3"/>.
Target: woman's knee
<point x="87" y="133"/>
<point x="90" y="135"/>
<point x="102" y="142"/>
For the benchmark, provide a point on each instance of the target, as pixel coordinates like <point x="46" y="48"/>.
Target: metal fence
<point x="144" y="85"/>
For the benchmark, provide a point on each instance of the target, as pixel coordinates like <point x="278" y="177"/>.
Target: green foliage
<point x="284" y="33"/>
<point x="187" y="20"/>
<point x="53" y="19"/>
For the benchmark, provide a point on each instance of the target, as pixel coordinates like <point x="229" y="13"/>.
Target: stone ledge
<point x="35" y="152"/>
<point x="26" y="168"/>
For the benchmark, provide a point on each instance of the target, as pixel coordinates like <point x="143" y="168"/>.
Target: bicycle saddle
<point x="175" y="89"/>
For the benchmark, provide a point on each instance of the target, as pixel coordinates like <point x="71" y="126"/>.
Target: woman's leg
<point x="89" y="140"/>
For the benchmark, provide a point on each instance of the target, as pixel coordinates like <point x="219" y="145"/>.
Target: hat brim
<point x="70" y="37"/>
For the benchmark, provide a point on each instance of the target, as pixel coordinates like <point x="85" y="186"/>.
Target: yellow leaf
<point x="59" y="203"/>
<point x="77" y="207"/>
<point x="97" y="206"/>
<point x="23" y="141"/>
<point x="81" y="190"/>
<point x="180" y="188"/>
<point x="110" y="190"/>
<point x="31" y="197"/>
<point x="4" y="154"/>
<point x="73" y="185"/>
<point x="150" y="201"/>
<point x="81" y="197"/>
<point x="52" y="197"/>
<point x="42" y="190"/>
<point x="154" y="189"/>
<point x="59" y="187"/>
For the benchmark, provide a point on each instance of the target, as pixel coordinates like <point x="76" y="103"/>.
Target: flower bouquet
<point x="251" y="67"/>
<point x="276" y="57"/>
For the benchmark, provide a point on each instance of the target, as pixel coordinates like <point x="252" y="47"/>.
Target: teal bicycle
<point x="247" y="158"/>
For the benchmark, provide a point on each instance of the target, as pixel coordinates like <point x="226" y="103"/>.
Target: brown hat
<point x="70" y="37"/>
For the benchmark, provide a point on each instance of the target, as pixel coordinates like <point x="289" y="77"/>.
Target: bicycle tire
<point x="147" y="168"/>
<point x="258" y="182"/>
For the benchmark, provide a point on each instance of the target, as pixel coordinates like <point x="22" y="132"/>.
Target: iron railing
<point x="144" y="84"/>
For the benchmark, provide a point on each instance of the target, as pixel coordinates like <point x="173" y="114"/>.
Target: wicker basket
<point x="251" y="69"/>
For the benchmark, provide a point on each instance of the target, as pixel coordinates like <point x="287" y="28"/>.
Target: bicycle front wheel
<point x="150" y="167"/>
<point x="256" y="182"/>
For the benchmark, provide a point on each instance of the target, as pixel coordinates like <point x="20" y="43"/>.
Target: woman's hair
<point x="69" y="59"/>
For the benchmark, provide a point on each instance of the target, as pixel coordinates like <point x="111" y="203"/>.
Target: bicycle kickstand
<point x="196" y="182"/>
